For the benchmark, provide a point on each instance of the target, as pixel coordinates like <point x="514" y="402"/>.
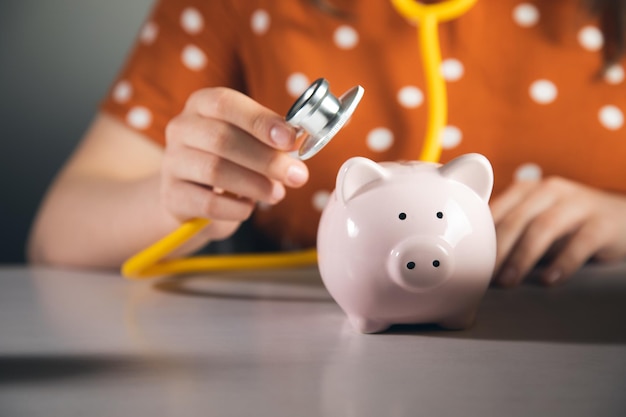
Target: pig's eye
<point x="439" y="215"/>
<point x="436" y="263"/>
<point x="402" y="216"/>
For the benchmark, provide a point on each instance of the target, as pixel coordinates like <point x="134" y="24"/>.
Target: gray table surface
<point x="273" y="343"/>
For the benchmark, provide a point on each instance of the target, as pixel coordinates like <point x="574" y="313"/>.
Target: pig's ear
<point x="355" y="174"/>
<point x="473" y="170"/>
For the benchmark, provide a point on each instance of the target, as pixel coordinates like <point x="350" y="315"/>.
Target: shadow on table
<point x="24" y="368"/>
<point x="583" y="311"/>
<point x="289" y="285"/>
<point x="589" y="309"/>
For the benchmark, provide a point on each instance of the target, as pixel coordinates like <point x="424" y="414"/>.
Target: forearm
<point x="95" y="222"/>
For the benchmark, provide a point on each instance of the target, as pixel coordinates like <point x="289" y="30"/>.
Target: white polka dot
<point x="193" y="58"/>
<point x="410" y="96"/>
<point x="451" y="136"/>
<point x="122" y="91"/>
<point x="611" y="117"/>
<point x="528" y="172"/>
<point x="543" y="91"/>
<point x="452" y="69"/>
<point x="260" y="21"/>
<point x="149" y="33"/>
<point x="297" y="83"/>
<point x="526" y="15"/>
<point x="139" y="117"/>
<point x="614" y="74"/>
<point x="192" y="21"/>
<point x="320" y="199"/>
<point x="590" y="38"/>
<point x="346" y="37"/>
<point x="379" y="139"/>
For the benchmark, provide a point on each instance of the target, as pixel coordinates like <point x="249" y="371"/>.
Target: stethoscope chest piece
<point x="321" y="115"/>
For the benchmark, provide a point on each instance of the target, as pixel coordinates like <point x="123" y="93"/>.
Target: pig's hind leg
<point x="365" y="325"/>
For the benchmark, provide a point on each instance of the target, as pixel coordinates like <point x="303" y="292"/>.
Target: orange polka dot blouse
<point x="524" y="86"/>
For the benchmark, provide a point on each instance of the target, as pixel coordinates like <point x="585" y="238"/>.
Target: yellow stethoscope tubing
<point x="427" y="17"/>
<point x="148" y="263"/>
<point x="151" y="261"/>
<point x="443" y="11"/>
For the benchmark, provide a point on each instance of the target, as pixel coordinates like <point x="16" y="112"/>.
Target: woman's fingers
<point x="513" y="223"/>
<point x="510" y="198"/>
<point x="539" y="235"/>
<point x="602" y="236"/>
<point x="213" y="171"/>
<point x="568" y="220"/>
<point x="188" y="200"/>
<point x="579" y="248"/>
<point x="240" y="110"/>
<point x="221" y="139"/>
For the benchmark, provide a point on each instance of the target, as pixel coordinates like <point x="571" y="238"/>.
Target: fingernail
<point x="552" y="276"/>
<point x="278" y="192"/>
<point x="297" y="175"/>
<point x="281" y="136"/>
<point x="508" y="276"/>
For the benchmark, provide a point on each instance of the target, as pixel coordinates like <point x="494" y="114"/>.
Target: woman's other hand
<point x="570" y="222"/>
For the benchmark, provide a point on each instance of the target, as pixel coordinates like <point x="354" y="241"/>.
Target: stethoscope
<point x="318" y="115"/>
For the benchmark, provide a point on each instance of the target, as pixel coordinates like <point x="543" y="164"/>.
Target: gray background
<point x="57" y="60"/>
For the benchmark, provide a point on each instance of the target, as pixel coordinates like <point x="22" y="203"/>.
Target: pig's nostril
<point x="410" y="265"/>
<point x="436" y="263"/>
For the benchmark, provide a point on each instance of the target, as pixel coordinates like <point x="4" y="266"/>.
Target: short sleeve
<point x="181" y="47"/>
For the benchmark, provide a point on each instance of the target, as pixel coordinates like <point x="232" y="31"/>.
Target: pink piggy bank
<point x="409" y="242"/>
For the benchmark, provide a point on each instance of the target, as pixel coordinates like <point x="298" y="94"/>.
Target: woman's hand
<point x="224" y="153"/>
<point x="568" y="221"/>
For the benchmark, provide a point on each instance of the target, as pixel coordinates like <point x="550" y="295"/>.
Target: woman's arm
<point x="104" y="204"/>
<point x="119" y="192"/>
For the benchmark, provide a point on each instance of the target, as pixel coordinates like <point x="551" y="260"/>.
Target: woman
<point x="193" y="126"/>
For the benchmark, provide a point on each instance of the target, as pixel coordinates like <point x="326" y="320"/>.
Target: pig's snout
<point x="420" y="263"/>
